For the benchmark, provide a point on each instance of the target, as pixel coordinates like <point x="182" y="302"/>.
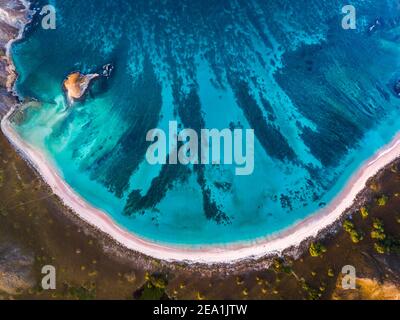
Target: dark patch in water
<point x="189" y="110"/>
<point x="272" y="140"/>
<point x="143" y="116"/>
<point x="170" y="174"/>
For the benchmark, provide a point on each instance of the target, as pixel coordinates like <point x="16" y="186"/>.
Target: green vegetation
<point x="356" y="236"/>
<point x="279" y="265"/>
<point x="378" y="232"/>
<point x="239" y="281"/>
<point x="84" y="292"/>
<point x="378" y="235"/>
<point x="385" y="243"/>
<point x="199" y="296"/>
<point x="348" y="226"/>
<point x="157" y="281"/>
<point x="153" y="289"/>
<point x="392" y="245"/>
<point x="379" y="248"/>
<point x="313" y="294"/>
<point x="317" y="249"/>
<point x="364" y="212"/>
<point x="382" y="201"/>
<point x="151" y="292"/>
<point x="378" y="225"/>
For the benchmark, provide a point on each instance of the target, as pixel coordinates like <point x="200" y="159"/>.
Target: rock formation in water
<point x="77" y="84"/>
<point x="107" y="70"/>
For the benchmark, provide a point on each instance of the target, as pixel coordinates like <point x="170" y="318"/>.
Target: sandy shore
<point x="291" y="237"/>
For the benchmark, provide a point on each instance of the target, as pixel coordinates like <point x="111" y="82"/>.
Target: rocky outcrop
<point x="14" y="15"/>
<point x="77" y="84"/>
<point x="15" y="269"/>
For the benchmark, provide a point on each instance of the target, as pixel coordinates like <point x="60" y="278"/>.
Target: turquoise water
<point x="320" y="99"/>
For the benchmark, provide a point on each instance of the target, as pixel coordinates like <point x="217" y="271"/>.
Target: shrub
<point x="356" y="236"/>
<point x="378" y="235"/>
<point x="379" y="248"/>
<point x="317" y="249"/>
<point x="239" y="281"/>
<point x="382" y="201"/>
<point x="348" y="226"/>
<point x="199" y="296"/>
<point x="378" y="225"/>
<point x="364" y="212"/>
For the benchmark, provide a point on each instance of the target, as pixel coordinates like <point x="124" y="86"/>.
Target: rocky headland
<point x="14" y="15"/>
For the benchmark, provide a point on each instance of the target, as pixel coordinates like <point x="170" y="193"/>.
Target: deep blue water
<point x="319" y="98"/>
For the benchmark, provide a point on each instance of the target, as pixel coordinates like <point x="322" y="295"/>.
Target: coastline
<point x="225" y="254"/>
<point x="19" y="23"/>
<point x="291" y="237"/>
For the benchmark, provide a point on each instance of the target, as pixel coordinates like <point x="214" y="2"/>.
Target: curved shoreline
<point x="291" y="237"/>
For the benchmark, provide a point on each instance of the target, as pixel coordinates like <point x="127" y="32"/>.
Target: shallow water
<point x="318" y="97"/>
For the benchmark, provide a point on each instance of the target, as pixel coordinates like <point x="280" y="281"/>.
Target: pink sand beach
<point x="290" y="237"/>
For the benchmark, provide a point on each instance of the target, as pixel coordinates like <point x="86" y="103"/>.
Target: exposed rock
<point x="6" y="101"/>
<point x="107" y="70"/>
<point x="13" y="12"/>
<point x="77" y="84"/>
<point x="14" y="15"/>
<point x="15" y="269"/>
<point x="368" y="289"/>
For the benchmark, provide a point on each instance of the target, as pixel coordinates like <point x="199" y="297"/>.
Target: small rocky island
<point x="77" y="84"/>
